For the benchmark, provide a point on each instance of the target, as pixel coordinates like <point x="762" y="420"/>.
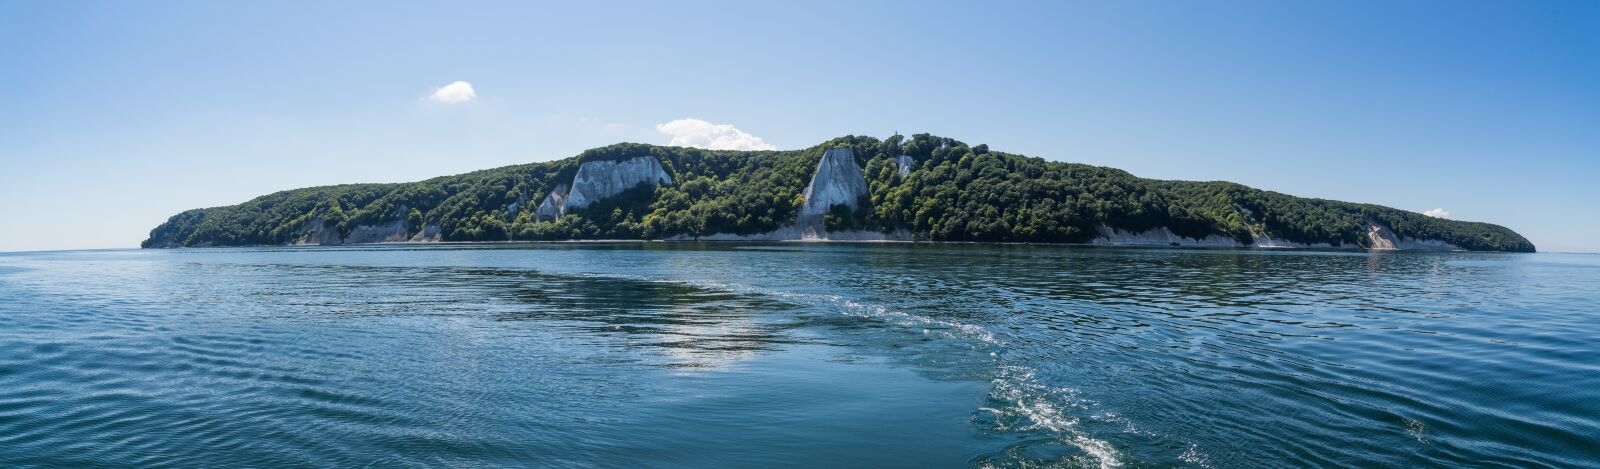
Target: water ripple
<point x="740" y="355"/>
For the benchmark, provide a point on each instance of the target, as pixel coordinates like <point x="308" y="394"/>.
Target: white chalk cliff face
<point x="1380" y="238"/>
<point x="550" y="209"/>
<point x="317" y="232"/>
<point x="597" y="180"/>
<point x="838" y="181"/>
<point x="430" y="233"/>
<point x="903" y="164"/>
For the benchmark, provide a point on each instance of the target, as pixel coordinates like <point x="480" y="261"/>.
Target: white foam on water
<point x="1046" y="408"/>
<point x="1195" y="457"/>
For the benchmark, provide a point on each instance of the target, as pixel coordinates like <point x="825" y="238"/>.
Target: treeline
<point x="957" y="192"/>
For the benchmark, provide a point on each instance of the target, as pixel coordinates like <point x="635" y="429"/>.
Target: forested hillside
<point x="953" y="192"/>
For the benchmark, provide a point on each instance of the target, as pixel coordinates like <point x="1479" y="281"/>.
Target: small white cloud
<point x="458" y="92"/>
<point x="701" y="134"/>
<point x="1437" y="213"/>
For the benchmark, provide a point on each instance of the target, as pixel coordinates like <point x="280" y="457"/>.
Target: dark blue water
<point x="737" y="355"/>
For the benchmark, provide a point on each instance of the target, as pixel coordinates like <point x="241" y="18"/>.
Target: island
<point x="852" y="188"/>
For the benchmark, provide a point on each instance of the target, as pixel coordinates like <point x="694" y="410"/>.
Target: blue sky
<point x="116" y="115"/>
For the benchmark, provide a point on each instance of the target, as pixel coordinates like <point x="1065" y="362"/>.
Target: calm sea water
<point x="723" y="355"/>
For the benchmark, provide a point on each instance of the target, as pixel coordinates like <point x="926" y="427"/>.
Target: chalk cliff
<point x="553" y="203"/>
<point x="1381" y="238"/>
<point x="903" y="165"/>
<point x="597" y="180"/>
<point x="838" y="181"/>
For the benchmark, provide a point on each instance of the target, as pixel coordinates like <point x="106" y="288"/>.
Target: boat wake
<point x="1017" y="401"/>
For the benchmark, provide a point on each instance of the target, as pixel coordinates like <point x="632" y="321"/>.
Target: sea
<point x="690" y="354"/>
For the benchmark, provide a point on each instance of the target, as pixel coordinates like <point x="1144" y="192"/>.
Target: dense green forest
<point x="956" y="192"/>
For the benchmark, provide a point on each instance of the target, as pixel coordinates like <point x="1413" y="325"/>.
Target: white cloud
<point x="1437" y="213"/>
<point x="701" y="134"/>
<point x="458" y="92"/>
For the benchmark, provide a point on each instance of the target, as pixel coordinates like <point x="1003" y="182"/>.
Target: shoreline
<point x="835" y="241"/>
